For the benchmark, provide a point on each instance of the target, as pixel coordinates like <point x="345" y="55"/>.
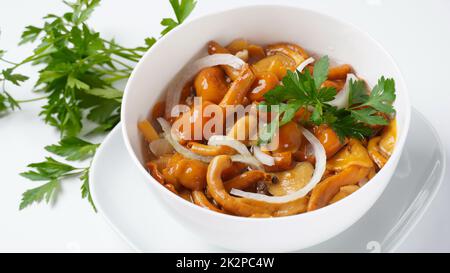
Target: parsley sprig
<point x="305" y="90"/>
<point x="79" y="74"/>
<point x="7" y="102"/>
<point x="53" y="171"/>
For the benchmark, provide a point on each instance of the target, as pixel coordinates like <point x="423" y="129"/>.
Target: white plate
<point x="129" y="206"/>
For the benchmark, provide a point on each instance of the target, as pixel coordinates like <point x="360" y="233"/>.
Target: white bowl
<point x="263" y="25"/>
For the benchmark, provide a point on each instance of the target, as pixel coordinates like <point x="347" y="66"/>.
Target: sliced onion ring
<point x="165" y="125"/>
<point x="306" y="62"/>
<point x="341" y="99"/>
<point x="263" y="157"/>
<point x="321" y="160"/>
<point x="218" y="140"/>
<point x="174" y="91"/>
<point x="245" y="155"/>
<point x="249" y="160"/>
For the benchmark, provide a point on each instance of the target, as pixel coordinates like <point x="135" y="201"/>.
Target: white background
<point x="416" y="33"/>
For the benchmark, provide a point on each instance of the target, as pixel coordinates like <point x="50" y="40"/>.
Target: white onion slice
<point x="263" y="157"/>
<point x="321" y="161"/>
<point x="306" y="62"/>
<point x="341" y="99"/>
<point x="218" y="140"/>
<point x="165" y="125"/>
<point x="247" y="157"/>
<point x="160" y="147"/>
<point x="174" y="91"/>
<point x="249" y="160"/>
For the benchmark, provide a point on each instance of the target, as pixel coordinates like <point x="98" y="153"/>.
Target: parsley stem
<point x="10" y="62"/>
<point x="122" y="63"/>
<point x="31" y="58"/>
<point x="121" y="73"/>
<point x="73" y="173"/>
<point x="122" y="47"/>
<point x="31" y="100"/>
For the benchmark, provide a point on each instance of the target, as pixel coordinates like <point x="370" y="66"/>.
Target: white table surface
<point x="416" y="33"/>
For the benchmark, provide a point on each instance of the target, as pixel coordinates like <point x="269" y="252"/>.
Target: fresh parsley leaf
<point x="321" y="71"/>
<point x="3" y="105"/>
<point x="85" y="190"/>
<point x="326" y="94"/>
<point x="366" y="107"/>
<point x="369" y="116"/>
<point x="82" y="10"/>
<point x="382" y="96"/>
<point x="287" y="111"/>
<point x="30" y="34"/>
<point x="36" y="195"/>
<point x="106" y="93"/>
<point x="347" y="126"/>
<point x="316" y="116"/>
<point x="169" y="23"/>
<point x="74" y="83"/>
<point x="49" y="169"/>
<point x="14" y="78"/>
<point x="182" y="10"/>
<point x="358" y="93"/>
<point x="73" y="148"/>
<point x="7" y="102"/>
<point x="54" y="172"/>
<point x="150" y="42"/>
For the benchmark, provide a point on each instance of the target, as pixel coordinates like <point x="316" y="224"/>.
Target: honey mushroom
<point x="353" y="164"/>
<point x="201" y="200"/>
<point x="189" y="173"/>
<point x="210" y="84"/>
<point x="208" y="150"/>
<point x="324" y="191"/>
<point x="239" y="88"/>
<point x="244" y="206"/>
<point x="246" y="180"/>
<point x="215" y="48"/>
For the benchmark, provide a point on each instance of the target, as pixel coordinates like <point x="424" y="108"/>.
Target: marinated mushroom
<point x="388" y="138"/>
<point x="344" y="192"/>
<point x="265" y="81"/>
<point x="282" y="161"/>
<point x="291" y="180"/>
<point x="244" y="129"/>
<point x="329" y="139"/>
<point x="246" y="180"/>
<point x="239" y="88"/>
<point x="339" y="72"/>
<point x="201" y="200"/>
<point x="207" y="150"/>
<point x="374" y="152"/>
<point x="189" y="173"/>
<point x="353" y="154"/>
<point x="297" y="53"/>
<point x="243" y="206"/>
<point x="325" y="191"/>
<point x="185" y="126"/>
<point x="210" y="84"/>
<point x="289" y="138"/>
<point x="277" y="64"/>
<point x="216" y="48"/>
